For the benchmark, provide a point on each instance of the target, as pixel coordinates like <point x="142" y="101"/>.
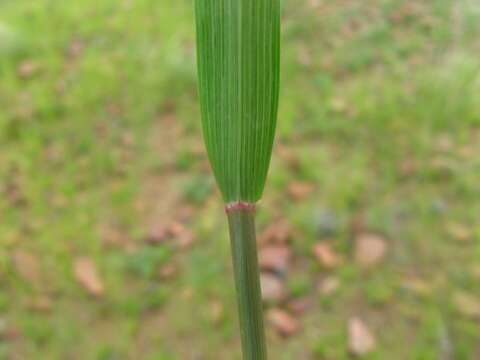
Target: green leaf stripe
<point x="238" y="44"/>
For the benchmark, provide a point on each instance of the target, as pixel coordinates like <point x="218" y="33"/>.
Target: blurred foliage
<point x="101" y="157"/>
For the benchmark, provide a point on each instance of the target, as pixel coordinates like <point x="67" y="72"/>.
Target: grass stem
<point x="241" y="222"/>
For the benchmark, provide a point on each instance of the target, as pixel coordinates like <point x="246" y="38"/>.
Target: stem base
<point x="247" y="282"/>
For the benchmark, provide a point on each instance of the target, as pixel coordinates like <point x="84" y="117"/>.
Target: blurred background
<point x="113" y="241"/>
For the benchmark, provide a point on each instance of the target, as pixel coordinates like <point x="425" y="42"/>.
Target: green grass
<point x="378" y="109"/>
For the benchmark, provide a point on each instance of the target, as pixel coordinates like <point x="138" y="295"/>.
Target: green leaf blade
<point x="238" y="44"/>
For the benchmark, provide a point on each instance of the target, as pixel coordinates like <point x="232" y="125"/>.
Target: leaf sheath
<point x="238" y="67"/>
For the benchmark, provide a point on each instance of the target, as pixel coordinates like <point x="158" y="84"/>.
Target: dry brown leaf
<point x="216" y="311"/>
<point x="75" y="48"/>
<point x="407" y="10"/>
<point x="467" y="304"/>
<point x="10" y="333"/>
<point x="329" y="285"/>
<point x="300" y="190"/>
<point x="14" y="194"/>
<point x="274" y="258"/>
<point x="304" y="56"/>
<point x="467" y="151"/>
<point x="459" y="231"/>
<point x="157" y="234"/>
<point x="284" y="323"/>
<point x="338" y="104"/>
<point x="87" y="275"/>
<point x="327" y="257"/>
<point x="277" y="233"/>
<point x="273" y="288"/>
<point x="476" y="271"/>
<point x="444" y="143"/>
<point x="175" y="231"/>
<point x="27" y="266"/>
<point x="418" y="286"/>
<point x="370" y="249"/>
<point x="357" y="224"/>
<point x="408" y="167"/>
<point x="300" y="306"/>
<point x="112" y="236"/>
<point x="187" y="293"/>
<point x="443" y="165"/>
<point x="183" y="237"/>
<point x="127" y="139"/>
<point x="167" y="271"/>
<point x="185" y="211"/>
<point x="360" y="340"/>
<point x="27" y="68"/>
<point x="291" y="159"/>
<point x="42" y="303"/>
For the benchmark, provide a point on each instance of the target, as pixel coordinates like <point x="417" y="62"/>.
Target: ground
<point x="113" y="239"/>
